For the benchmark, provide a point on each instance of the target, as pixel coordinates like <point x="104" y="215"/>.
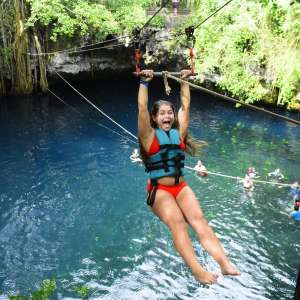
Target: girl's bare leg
<point x="166" y="208"/>
<point x="191" y="210"/>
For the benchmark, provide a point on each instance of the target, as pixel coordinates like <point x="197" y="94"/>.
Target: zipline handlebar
<point x="160" y="74"/>
<point x="177" y="74"/>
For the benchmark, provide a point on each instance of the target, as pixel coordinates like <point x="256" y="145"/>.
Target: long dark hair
<point x="192" y="146"/>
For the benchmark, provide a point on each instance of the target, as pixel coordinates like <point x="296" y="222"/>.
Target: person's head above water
<point x="251" y="171"/>
<point x="163" y="115"/>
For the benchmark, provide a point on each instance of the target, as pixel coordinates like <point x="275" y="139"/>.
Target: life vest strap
<point x="162" y="166"/>
<point x="169" y="147"/>
<point x="163" y="163"/>
<point x="152" y="192"/>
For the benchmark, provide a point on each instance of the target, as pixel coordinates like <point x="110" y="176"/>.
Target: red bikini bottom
<point x="172" y="189"/>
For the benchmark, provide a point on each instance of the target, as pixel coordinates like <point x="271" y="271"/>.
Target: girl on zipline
<point x="163" y="140"/>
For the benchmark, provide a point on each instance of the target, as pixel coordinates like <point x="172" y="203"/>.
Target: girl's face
<point x="164" y="117"/>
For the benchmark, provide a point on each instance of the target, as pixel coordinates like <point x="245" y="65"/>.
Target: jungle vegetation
<point x="251" y="46"/>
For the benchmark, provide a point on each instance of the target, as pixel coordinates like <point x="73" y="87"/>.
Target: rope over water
<point x="241" y="178"/>
<point x="98" y="123"/>
<point x="135" y="137"/>
<point x="94" y="106"/>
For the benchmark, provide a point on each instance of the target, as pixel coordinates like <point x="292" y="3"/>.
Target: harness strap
<point x="169" y="147"/>
<point x="152" y="192"/>
<point x="137" y="61"/>
<point x="178" y="165"/>
<point x="137" y="41"/>
<point x="164" y="158"/>
<point x="152" y="164"/>
<point x="162" y="166"/>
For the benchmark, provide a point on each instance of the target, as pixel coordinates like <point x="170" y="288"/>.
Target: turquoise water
<point x="73" y="205"/>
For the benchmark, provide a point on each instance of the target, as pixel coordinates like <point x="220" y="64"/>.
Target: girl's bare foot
<point x="206" y="277"/>
<point x="228" y="269"/>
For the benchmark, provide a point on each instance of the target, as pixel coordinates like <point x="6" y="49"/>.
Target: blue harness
<point x="168" y="162"/>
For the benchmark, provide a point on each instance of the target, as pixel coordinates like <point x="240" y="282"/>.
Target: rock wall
<point x="155" y="49"/>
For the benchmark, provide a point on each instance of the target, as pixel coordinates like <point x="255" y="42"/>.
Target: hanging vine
<point x="16" y="67"/>
<point x="22" y="79"/>
<point x="6" y="48"/>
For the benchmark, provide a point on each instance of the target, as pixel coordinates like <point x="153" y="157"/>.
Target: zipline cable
<point x="187" y="167"/>
<point x="94" y="106"/>
<point x="97" y="123"/>
<point x="164" y="3"/>
<point x="232" y="99"/>
<point x="215" y="12"/>
<point x="79" y="49"/>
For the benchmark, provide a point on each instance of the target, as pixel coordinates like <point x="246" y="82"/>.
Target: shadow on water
<point x="73" y="205"/>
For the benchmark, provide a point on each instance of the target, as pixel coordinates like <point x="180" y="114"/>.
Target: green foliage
<point x="83" y="291"/>
<point x="288" y="80"/>
<point x="68" y="18"/>
<point x="292" y="24"/>
<point x="115" y="5"/>
<point x="88" y="18"/>
<point x="275" y="17"/>
<point x="7" y="28"/>
<point x="47" y="288"/>
<point x="252" y="47"/>
<point x="19" y="297"/>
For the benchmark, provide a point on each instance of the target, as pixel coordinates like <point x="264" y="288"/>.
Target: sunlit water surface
<point x="73" y="205"/>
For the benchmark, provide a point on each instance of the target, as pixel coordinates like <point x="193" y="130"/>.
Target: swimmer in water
<point x="135" y="156"/>
<point x="200" y="169"/>
<point x="248" y="183"/>
<point x="276" y="175"/>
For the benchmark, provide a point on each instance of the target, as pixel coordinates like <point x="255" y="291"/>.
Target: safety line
<point x="97" y="123"/>
<point x="232" y="99"/>
<point x="93" y="105"/>
<point x="241" y="178"/>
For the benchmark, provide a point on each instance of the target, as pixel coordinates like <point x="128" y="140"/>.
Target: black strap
<point x="178" y="166"/>
<point x="162" y="164"/>
<point x="159" y="167"/>
<point x="164" y="158"/>
<point x="169" y="147"/>
<point x="152" y="192"/>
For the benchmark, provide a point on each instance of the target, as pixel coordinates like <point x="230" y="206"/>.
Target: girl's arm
<point x="145" y="131"/>
<point x="184" y="111"/>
